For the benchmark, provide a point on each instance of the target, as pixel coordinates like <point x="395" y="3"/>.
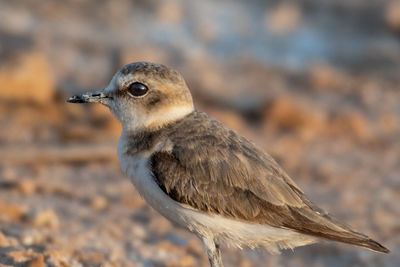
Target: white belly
<point x="222" y="229"/>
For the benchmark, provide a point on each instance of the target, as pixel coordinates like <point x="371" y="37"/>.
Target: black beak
<point x="89" y="97"/>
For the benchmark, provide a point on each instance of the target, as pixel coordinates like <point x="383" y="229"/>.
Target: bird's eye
<point x="137" y="89"/>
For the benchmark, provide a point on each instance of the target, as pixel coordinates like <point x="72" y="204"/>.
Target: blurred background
<point x="316" y="83"/>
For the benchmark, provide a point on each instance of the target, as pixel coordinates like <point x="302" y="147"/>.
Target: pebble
<point x="37" y="262"/>
<point x="26" y="187"/>
<point x="47" y="218"/>
<point x="11" y="212"/>
<point x="98" y="203"/>
<point x="3" y="240"/>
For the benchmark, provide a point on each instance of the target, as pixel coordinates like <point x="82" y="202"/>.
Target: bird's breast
<point x="136" y="167"/>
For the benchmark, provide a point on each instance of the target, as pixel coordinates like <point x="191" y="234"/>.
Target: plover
<point x="202" y="175"/>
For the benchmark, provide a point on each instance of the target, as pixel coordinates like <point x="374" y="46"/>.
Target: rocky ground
<point x="330" y="115"/>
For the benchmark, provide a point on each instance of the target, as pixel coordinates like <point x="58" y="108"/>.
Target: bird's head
<point x="143" y="96"/>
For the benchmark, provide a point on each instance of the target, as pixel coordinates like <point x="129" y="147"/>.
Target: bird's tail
<point x="372" y="245"/>
<point x="320" y="224"/>
<point x="355" y="238"/>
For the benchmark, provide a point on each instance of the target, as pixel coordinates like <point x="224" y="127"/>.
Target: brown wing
<point x="225" y="174"/>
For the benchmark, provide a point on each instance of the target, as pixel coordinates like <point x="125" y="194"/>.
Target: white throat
<point x="156" y="119"/>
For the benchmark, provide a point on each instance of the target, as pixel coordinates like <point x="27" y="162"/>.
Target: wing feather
<point x="226" y="174"/>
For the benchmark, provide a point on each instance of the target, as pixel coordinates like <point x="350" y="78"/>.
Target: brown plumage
<point x="225" y="174"/>
<point x="204" y="176"/>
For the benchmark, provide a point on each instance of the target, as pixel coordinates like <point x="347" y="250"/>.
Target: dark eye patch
<point x="154" y="100"/>
<point x="137" y="89"/>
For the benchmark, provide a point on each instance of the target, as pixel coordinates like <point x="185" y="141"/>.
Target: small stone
<point x="26" y="187"/>
<point x="4" y="242"/>
<point x="93" y="257"/>
<point x="56" y="258"/>
<point x="47" y="218"/>
<point x="185" y="261"/>
<point x="195" y="248"/>
<point x="139" y="232"/>
<point x="22" y="256"/>
<point x="38" y="262"/>
<point x="352" y="123"/>
<point x="98" y="203"/>
<point x="27" y="240"/>
<point x="287" y="114"/>
<point x="11" y="212"/>
<point x="245" y="263"/>
<point x="32" y="237"/>
<point x="115" y="254"/>
<point x="169" y="247"/>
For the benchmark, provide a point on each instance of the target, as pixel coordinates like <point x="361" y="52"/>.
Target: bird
<point x="205" y="177"/>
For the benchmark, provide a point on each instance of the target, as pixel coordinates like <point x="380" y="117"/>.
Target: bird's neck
<point x="155" y="120"/>
<point x="139" y="140"/>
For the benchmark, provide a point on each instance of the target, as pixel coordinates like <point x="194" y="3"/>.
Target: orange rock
<point x="176" y="252"/>
<point x="94" y="257"/>
<point x="98" y="203"/>
<point x="28" y="80"/>
<point x="32" y="237"/>
<point x="11" y="212"/>
<point x="46" y="218"/>
<point x="245" y="263"/>
<point x="38" y="262"/>
<point x="26" y="187"/>
<point x="3" y="241"/>
<point x="169" y="247"/>
<point x="185" y="261"/>
<point x="351" y="124"/>
<point x="115" y="254"/>
<point x="23" y="256"/>
<point x="60" y="258"/>
<point x="286" y="114"/>
<point x="195" y="248"/>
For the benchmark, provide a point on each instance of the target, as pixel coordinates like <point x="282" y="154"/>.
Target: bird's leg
<point x="213" y="252"/>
